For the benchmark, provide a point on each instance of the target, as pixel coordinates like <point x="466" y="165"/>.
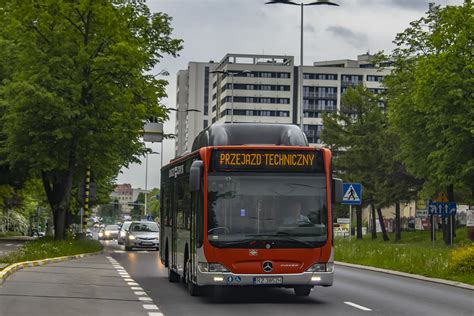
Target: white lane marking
<point x="137" y="288"/>
<point x="145" y="299"/>
<point x="129" y="280"/>
<point x="139" y="293"/>
<point x="358" y="306"/>
<point x="119" y="251"/>
<point x="150" y="306"/>
<point x="155" y="314"/>
<point x="132" y="283"/>
<point x="8" y="245"/>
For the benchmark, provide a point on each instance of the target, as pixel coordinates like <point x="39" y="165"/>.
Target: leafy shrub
<point x="462" y="259"/>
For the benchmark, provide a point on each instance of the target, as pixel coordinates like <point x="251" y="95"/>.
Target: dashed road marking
<point x="145" y="299"/>
<point x="150" y="306"/>
<point x="358" y="306"/>
<point x="142" y="296"/>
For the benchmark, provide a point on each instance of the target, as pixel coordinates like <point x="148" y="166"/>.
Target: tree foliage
<point x="78" y="88"/>
<point x="431" y="97"/>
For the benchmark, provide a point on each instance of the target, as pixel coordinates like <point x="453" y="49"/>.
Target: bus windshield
<point x="267" y="210"/>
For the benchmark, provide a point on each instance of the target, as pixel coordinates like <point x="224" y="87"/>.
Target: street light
<point x="231" y="74"/>
<point x="302" y="5"/>
<point x="146" y="179"/>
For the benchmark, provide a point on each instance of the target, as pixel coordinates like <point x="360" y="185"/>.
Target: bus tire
<point x="302" y="290"/>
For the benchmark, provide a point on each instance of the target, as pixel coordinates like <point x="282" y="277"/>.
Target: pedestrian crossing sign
<point x="352" y="193"/>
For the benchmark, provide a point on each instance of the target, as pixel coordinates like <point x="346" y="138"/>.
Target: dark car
<point x="142" y="235"/>
<point x="109" y="232"/>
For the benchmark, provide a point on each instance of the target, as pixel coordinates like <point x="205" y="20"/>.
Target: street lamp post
<point x="300" y="75"/>
<point x="146" y="181"/>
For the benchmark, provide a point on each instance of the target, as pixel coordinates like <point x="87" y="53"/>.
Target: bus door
<point x="174" y="232"/>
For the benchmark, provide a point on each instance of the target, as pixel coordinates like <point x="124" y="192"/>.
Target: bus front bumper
<point x="276" y="280"/>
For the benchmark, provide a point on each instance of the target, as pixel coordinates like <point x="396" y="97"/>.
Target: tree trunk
<point x="373" y="227"/>
<point x="398" y="228"/>
<point x="382" y="224"/>
<point x="58" y="185"/>
<point x="359" y="221"/>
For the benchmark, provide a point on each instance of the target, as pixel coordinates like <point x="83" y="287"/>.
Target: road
<point x="355" y="292"/>
<point x="8" y="245"/>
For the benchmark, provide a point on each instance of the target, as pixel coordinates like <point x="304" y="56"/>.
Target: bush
<point x="462" y="259"/>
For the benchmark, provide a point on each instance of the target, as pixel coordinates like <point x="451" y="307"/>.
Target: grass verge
<point x="415" y="254"/>
<point x="48" y="248"/>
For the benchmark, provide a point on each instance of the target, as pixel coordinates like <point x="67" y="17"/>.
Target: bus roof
<point x="227" y="134"/>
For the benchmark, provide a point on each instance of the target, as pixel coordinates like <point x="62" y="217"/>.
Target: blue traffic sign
<point x="442" y="208"/>
<point x="352" y="193"/>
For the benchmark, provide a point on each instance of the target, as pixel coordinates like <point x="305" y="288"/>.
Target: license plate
<point x="146" y="243"/>
<point x="267" y="280"/>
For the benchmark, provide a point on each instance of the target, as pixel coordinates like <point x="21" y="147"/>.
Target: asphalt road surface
<point x="8" y="245"/>
<point x="355" y="292"/>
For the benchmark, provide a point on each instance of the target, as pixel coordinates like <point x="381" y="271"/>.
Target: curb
<point x="408" y="275"/>
<point x="9" y="270"/>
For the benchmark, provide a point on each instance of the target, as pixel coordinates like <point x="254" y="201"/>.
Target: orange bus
<point x="249" y="206"/>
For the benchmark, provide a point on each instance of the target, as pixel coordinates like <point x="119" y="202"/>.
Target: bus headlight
<point x="211" y="267"/>
<point x="317" y="267"/>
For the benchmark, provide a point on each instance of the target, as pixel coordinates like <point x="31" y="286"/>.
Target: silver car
<point x="142" y="235"/>
<point x="122" y="234"/>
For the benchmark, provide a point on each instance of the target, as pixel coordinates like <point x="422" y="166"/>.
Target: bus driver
<point x="295" y="216"/>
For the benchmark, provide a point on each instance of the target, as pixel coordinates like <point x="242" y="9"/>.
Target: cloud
<point x="357" y="40"/>
<point x="414" y="5"/>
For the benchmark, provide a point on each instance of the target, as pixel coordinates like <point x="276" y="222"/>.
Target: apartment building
<point x="192" y="103"/>
<point x="265" y="88"/>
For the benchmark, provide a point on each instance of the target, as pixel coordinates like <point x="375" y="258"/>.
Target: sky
<point x="212" y="28"/>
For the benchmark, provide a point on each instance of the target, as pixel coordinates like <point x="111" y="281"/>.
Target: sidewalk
<point x="95" y="285"/>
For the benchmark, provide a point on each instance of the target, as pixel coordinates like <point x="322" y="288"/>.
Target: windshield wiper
<point x="287" y="237"/>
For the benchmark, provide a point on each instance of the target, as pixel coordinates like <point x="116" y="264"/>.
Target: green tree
<point x="355" y="134"/>
<point x="110" y="212"/>
<point x="79" y="88"/>
<point x="138" y="209"/>
<point x="154" y="203"/>
<point x="431" y="97"/>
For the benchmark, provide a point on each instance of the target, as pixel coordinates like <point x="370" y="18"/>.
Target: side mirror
<point x="336" y="190"/>
<point x="195" y="176"/>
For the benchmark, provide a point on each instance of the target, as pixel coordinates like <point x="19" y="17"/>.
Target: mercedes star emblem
<point x="267" y="266"/>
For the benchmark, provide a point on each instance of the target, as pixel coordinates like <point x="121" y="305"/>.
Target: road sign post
<point x="352" y="196"/>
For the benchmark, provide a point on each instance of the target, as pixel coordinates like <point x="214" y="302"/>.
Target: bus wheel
<point x="172" y="276"/>
<point x="302" y="290"/>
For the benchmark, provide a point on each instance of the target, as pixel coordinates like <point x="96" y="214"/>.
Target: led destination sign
<point x="267" y="160"/>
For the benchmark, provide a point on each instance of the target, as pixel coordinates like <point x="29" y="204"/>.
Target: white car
<point x="122" y="234"/>
<point x="142" y="235"/>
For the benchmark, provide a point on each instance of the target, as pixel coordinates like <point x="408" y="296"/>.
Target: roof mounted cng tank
<point x="227" y="134"/>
